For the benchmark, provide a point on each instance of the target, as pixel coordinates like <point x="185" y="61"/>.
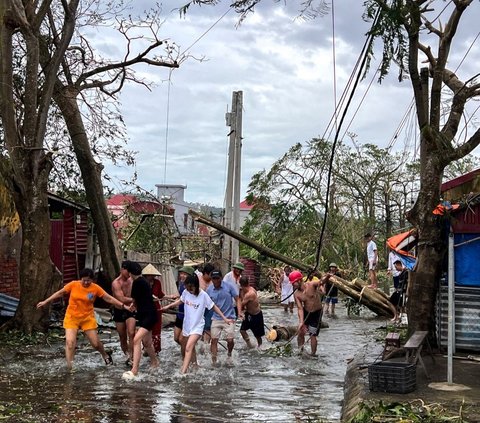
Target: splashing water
<point x="255" y="387"/>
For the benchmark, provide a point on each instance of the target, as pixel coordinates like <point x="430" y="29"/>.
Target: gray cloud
<point x="284" y="67"/>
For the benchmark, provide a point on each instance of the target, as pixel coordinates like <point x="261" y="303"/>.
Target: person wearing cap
<point x="235" y="274"/>
<point x="223" y="295"/>
<point x="287" y="291"/>
<point x="233" y="277"/>
<point x="331" y="292"/>
<point x="124" y="319"/>
<point x="183" y="273"/>
<point x="253" y="319"/>
<point x="196" y="300"/>
<point x="146" y="315"/>
<point x="152" y="275"/>
<point x="80" y="314"/>
<point x="309" y="304"/>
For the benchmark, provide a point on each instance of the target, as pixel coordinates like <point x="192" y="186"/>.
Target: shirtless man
<point x="124" y="319"/>
<point x="309" y="303"/>
<point x="253" y="319"/>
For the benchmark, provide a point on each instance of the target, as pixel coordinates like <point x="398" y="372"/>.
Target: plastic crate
<point x="393" y="377"/>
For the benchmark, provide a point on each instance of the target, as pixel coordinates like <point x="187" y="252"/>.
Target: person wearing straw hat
<point x="152" y="275"/>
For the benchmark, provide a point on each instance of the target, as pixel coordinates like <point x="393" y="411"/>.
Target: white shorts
<point x="218" y="326"/>
<point x="372" y="265"/>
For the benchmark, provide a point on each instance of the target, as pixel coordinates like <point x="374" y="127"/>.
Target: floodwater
<point x="256" y="387"/>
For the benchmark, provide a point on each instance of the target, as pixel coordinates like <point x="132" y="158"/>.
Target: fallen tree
<point x="374" y="299"/>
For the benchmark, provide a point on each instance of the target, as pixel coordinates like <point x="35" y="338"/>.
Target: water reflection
<point x="258" y="388"/>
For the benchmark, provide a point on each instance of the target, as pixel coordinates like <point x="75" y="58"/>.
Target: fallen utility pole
<point x="374" y="299"/>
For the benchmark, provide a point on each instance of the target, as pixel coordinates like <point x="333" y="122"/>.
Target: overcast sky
<point x="283" y="65"/>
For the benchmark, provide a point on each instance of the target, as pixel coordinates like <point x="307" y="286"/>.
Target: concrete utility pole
<point x="237" y="177"/>
<point x="232" y="194"/>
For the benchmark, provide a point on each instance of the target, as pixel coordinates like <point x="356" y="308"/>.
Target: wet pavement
<point x="256" y="387"/>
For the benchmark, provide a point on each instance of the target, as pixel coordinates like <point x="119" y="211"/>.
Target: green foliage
<point x="285" y="350"/>
<point x="289" y="201"/>
<point x="15" y="338"/>
<point x="396" y="412"/>
<point x="145" y="232"/>
<point x="353" y="307"/>
<point x="460" y="167"/>
<point x="387" y="24"/>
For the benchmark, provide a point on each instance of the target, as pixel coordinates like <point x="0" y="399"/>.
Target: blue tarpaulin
<point x="467" y="259"/>
<point x="408" y="261"/>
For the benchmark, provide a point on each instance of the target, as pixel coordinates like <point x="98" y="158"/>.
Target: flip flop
<point x="108" y="359"/>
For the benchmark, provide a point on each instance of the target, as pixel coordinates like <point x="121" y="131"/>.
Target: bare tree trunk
<point x="91" y="174"/>
<point x="423" y="283"/>
<point x="35" y="267"/>
<point x="27" y="166"/>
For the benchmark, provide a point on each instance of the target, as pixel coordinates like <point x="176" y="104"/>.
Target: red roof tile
<point x="121" y="200"/>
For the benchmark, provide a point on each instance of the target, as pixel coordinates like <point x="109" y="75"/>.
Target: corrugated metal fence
<point x="8" y="305"/>
<point x="467" y="318"/>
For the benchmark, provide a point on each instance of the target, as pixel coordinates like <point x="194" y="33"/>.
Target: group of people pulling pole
<point x="208" y="304"/>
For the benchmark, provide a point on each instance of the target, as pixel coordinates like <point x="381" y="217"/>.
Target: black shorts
<point x="254" y="322"/>
<point x="121" y="315"/>
<point x="178" y="323"/>
<point x="147" y="321"/>
<point x="313" y="320"/>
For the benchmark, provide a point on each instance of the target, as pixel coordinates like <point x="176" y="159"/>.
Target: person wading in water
<point x="308" y="297"/>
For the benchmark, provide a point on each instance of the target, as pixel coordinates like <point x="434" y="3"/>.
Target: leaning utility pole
<point x="232" y="194"/>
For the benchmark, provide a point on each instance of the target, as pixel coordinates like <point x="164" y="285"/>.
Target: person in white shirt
<point x="392" y="270"/>
<point x="287" y="290"/>
<point x="235" y="274"/>
<point x="195" y="302"/>
<point x="372" y="256"/>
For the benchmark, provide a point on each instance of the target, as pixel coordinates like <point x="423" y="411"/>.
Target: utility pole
<point x="232" y="194"/>
<point x="237" y="177"/>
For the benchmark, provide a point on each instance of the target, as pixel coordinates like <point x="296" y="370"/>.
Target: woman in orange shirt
<point x="80" y="314"/>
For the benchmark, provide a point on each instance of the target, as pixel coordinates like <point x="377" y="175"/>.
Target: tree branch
<point x="53" y="65"/>
<point x="140" y="58"/>
<point x="42" y="11"/>
<point x="442" y="58"/>
<point x="467" y="147"/>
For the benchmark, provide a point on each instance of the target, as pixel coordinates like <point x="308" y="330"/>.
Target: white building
<point x="174" y="195"/>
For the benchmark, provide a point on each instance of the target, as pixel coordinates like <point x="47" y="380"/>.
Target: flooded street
<point x="256" y="387"/>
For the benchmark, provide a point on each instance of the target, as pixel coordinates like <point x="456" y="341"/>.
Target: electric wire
<point x="208" y="30"/>
<point x="167" y="126"/>
<point x="332" y="122"/>
<point x="367" y="44"/>
<point x="334" y="63"/>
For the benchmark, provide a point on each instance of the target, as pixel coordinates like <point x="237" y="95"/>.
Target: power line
<point x="208" y="30"/>
<point x="167" y="126"/>
<point x="169" y="87"/>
